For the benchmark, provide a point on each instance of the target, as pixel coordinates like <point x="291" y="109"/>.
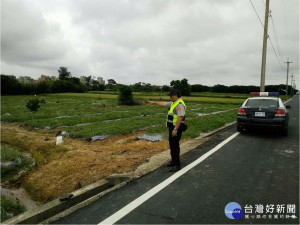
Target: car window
<point x="262" y="103"/>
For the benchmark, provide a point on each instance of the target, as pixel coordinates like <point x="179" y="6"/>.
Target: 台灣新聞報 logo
<point x="233" y="210"/>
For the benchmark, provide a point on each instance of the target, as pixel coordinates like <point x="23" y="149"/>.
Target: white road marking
<point x="288" y="101"/>
<point x="137" y="202"/>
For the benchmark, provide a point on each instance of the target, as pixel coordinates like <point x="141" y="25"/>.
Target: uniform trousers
<point x="174" y="146"/>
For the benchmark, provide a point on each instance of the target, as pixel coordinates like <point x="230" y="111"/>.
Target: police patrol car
<point x="263" y="110"/>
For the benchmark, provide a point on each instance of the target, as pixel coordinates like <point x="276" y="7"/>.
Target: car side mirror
<point x="288" y="107"/>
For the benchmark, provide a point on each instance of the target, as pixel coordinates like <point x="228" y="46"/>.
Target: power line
<point x="278" y="46"/>
<point x="257" y="14"/>
<point x="275" y="53"/>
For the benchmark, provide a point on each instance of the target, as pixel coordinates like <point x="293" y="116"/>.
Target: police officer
<point x="176" y="117"/>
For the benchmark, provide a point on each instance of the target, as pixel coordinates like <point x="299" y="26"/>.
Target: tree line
<point x="242" y="89"/>
<point x="66" y="83"/>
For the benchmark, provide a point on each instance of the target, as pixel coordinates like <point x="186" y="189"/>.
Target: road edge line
<point x="140" y="200"/>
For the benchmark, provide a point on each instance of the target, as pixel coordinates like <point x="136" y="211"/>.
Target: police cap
<point x="174" y="92"/>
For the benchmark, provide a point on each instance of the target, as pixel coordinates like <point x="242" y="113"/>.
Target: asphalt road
<point x="255" y="169"/>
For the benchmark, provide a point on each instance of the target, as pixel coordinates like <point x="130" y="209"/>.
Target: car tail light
<point x="242" y="112"/>
<point x="280" y="112"/>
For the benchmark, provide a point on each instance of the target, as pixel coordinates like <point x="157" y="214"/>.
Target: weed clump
<point x="33" y="105"/>
<point x="125" y="96"/>
<point x="13" y="155"/>
<point x="10" y="208"/>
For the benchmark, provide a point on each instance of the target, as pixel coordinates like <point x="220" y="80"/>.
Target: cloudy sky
<point x="206" y="41"/>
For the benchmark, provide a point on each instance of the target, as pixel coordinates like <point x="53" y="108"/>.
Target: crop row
<point x="154" y="124"/>
<point x="116" y="115"/>
<point x="101" y="115"/>
<point x="115" y="127"/>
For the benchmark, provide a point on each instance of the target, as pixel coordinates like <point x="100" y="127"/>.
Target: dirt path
<point x="76" y="163"/>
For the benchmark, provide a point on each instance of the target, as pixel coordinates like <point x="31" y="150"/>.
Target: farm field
<point x="85" y="117"/>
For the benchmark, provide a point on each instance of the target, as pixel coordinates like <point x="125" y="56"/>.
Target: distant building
<point x="47" y="78"/>
<point x="83" y="79"/>
<point x="26" y="80"/>
<point x="100" y="80"/>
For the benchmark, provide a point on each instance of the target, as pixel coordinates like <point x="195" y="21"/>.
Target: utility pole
<point x="264" y="53"/>
<point x="292" y="84"/>
<point x="287" y="76"/>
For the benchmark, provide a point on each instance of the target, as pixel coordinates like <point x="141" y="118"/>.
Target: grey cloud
<point x="27" y="39"/>
<point x="155" y="41"/>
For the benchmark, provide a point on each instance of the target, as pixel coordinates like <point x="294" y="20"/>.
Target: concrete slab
<point x="115" y="179"/>
<point x="56" y="206"/>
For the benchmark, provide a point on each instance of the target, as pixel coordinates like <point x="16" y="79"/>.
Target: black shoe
<point x="170" y="164"/>
<point x="175" y="169"/>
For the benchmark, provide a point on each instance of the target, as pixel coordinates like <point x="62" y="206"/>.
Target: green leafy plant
<point x="125" y="96"/>
<point x="33" y="105"/>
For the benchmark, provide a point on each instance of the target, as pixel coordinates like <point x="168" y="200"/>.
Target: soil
<point x="80" y="163"/>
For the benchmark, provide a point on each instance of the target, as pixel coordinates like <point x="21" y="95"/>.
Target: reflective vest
<point x="172" y="116"/>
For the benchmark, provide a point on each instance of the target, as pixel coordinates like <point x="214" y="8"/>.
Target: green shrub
<point x="125" y="96"/>
<point x="33" y="105"/>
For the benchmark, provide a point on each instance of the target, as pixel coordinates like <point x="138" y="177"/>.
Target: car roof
<point x="260" y="98"/>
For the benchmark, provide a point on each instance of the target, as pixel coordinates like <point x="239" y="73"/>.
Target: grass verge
<point x="42" y="151"/>
<point x="10" y="208"/>
<point x="12" y="154"/>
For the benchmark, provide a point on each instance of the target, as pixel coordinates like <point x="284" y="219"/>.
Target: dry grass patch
<point x="84" y="163"/>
